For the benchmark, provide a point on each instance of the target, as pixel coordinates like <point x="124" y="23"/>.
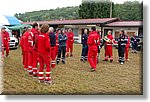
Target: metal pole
<point x="110" y="8"/>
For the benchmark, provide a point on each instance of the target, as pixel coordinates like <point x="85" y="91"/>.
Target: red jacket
<point x="111" y="38"/>
<point x="43" y="44"/>
<point x="93" y="41"/>
<point x="70" y="36"/>
<point x="57" y="39"/>
<point x="128" y="43"/>
<point x="5" y="37"/>
<point x="30" y="40"/>
<point x="24" y="41"/>
<point x="35" y="37"/>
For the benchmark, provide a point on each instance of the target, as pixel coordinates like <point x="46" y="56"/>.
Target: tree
<point x="94" y="9"/>
<point x="129" y="10"/>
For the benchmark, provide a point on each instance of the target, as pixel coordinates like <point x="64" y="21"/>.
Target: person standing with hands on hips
<point x="62" y="38"/>
<point x="122" y="41"/>
<point x="93" y="43"/>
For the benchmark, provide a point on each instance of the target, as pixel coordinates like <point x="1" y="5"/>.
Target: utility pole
<point x="110" y="8"/>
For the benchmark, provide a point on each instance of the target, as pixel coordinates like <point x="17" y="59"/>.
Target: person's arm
<point x="64" y="39"/>
<point x="47" y="43"/>
<point x="89" y="42"/>
<point x="59" y="39"/>
<point x="21" y="42"/>
<point x="82" y="39"/>
<point x="8" y="38"/>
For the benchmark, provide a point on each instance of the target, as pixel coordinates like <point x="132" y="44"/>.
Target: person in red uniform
<point x="25" y="46"/>
<point x="70" y="41"/>
<point x="57" y="43"/>
<point x="52" y="37"/>
<point x="108" y="44"/>
<point x="127" y="48"/>
<point x="35" y="32"/>
<point x="44" y="52"/>
<point x="93" y="43"/>
<point x="5" y="40"/>
<point x="30" y="51"/>
<point x="22" y="39"/>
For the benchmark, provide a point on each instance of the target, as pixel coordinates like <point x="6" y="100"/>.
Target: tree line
<point x="129" y="10"/>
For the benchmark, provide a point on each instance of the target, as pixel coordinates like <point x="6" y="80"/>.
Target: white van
<point x="13" y="43"/>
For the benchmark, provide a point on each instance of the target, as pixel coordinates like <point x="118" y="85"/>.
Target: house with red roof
<point x="102" y="25"/>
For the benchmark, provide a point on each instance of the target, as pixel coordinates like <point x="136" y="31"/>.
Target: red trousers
<point x="30" y="62"/>
<point x="6" y="46"/>
<point x="44" y="59"/>
<point x="53" y="56"/>
<point x="34" y="63"/>
<point x="92" y="58"/>
<point x="126" y="53"/>
<point x="108" y="52"/>
<point x="69" y="47"/>
<point x="25" y="59"/>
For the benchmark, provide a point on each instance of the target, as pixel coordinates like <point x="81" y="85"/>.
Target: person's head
<point x="122" y="32"/>
<point x="62" y="31"/>
<point x="93" y="28"/>
<point x="109" y="32"/>
<point x="51" y="30"/>
<point x="3" y="29"/>
<point x="134" y="34"/>
<point x="66" y="30"/>
<point x="85" y="31"/>
<point x="44" y="28"/>
<point x="35" y="25"/>
<point x="70" y="30"/>
<point x="58" y="31"/>
<point x="125" y="32"/>
<point x="27" y="29"/>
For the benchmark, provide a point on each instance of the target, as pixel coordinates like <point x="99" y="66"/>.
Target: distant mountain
<point x="52" y="14"/>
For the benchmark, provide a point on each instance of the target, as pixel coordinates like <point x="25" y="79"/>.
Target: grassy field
<point x="75" y="77"/>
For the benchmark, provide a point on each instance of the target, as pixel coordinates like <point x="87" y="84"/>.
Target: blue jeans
<point x="84" y="52"/>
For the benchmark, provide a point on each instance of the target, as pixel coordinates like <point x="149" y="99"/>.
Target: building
<point x="102" y="24"/>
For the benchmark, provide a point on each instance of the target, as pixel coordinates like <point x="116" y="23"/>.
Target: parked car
<point x="13" y="43"/>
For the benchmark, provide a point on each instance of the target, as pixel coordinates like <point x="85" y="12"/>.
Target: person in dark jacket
<point x="52" y="37"/>
<point x="122" y="41"/>
<point x="84" y="46"/>
<point x="62" y="38"/>
<point x="134" y="40"/>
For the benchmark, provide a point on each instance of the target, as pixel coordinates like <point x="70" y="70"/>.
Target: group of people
<point x="47" y="47"/>
<point x="108" y="41"/>
<point x="44" y="46"/>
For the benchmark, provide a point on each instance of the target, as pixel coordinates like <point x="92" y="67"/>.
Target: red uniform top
<point x="35" y="37"/>
<point x="22" y="42"/>
<point x="25" y="41"/>
<point x="111" y="38"/>
<point x="93" y="41"/>
<point x="5" y="37"/>
<point x="57" y="43"/>
<point x="70" y="36"/>
<point x="30" y="40"/>
<point x="43" y="44"/>
<point x="128" y="43"/>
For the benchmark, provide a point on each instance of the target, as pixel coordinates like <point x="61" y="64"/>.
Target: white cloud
<point x="10" y="7"/>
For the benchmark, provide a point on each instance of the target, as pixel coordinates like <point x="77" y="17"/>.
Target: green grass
<point x="75" y="77"/>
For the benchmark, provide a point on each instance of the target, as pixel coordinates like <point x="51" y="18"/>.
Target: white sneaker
<point x="121" y="63"/>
